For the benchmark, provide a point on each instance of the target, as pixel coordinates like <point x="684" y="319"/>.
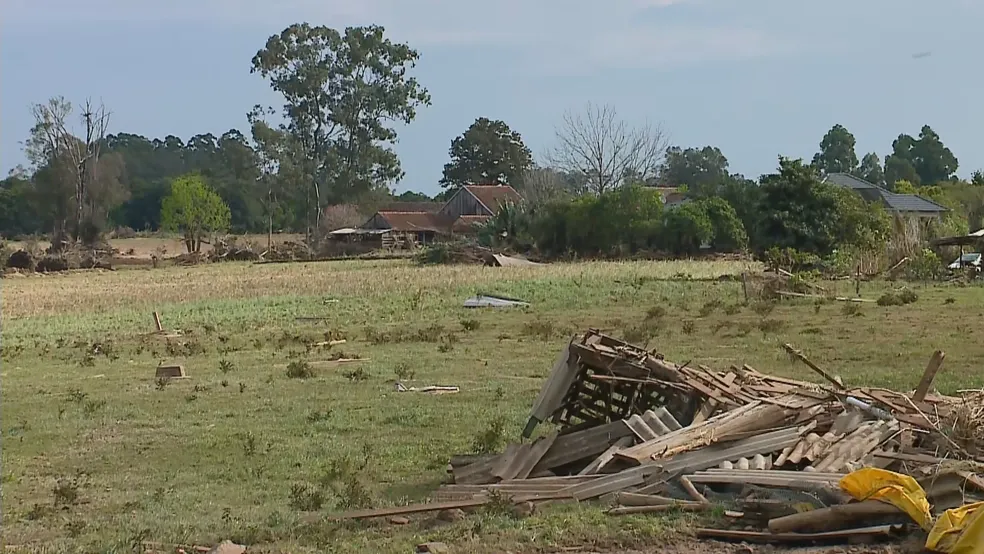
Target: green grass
<point x="98" y="454"/>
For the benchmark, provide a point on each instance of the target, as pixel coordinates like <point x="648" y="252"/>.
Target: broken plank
<point x="682" y="506"/>
<point x="412" y="509"/>
<point x="935" y="363"/>
<point x="602" y="460"/>
<point x="533" y="456"/>
<point x="580" y="445"/>
<point x="767" y="537"/>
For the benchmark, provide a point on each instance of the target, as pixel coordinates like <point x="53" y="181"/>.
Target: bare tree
<point x="607" y="150"/>
<point x="53" y="142"/>
<point x="540" y="185"/>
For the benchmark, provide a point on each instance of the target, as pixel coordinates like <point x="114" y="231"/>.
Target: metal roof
<point x="893" y="201"/>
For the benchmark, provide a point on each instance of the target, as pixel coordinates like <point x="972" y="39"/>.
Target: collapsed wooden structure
<point x="649" y="435"/>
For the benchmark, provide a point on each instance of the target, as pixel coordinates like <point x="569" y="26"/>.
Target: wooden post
<point x="157" y="322"/>
<point x="744" y="285"/>
<point x="935" y="363"/>
<point x="857" y="282"/>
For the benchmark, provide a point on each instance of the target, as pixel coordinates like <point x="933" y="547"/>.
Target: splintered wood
<point x="651" y="435"/>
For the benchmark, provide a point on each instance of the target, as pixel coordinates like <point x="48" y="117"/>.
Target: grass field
<point x="98" y="456"/>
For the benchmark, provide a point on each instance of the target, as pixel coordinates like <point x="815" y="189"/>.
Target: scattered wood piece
<point x="637" y="499"/>
<point x="157" y="323"/>
<point x="935" y="363"/>
<point x="834" y="518"/>
<point x="802" y="357"/>
<point x="692" y="490"/>
<point x="821" y="297"/>
<point x="175" y="371"/>
<point x="683" y="506"/>
<point x="796" y="538"/>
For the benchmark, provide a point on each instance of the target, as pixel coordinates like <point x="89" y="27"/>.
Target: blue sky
<point x="757" y="78"/>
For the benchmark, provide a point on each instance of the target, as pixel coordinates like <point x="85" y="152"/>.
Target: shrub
<point x="924" y="265"/>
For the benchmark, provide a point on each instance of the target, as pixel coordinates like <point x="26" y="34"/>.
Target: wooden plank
<point x="604" y="485"/>
<point x="510" y="461"/>
<point x="588" y="443"/>
<point x="935" y="363"/>
<point x="602" y="460"/>
<point x="534" y="455"/>
<point x="681" y="506"/>
<point x="767" y="537"/>
<point x="412" y="509"/>
<point x="710" y="405"/>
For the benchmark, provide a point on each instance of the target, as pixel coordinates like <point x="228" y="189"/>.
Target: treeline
<point x="328" y="151"/>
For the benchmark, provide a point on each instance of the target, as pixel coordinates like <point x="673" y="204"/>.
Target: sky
<point x="756" y="78"/>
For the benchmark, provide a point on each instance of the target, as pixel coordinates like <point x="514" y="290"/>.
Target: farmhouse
<point x="423" y="222"/>
<point x="908" y="205"/>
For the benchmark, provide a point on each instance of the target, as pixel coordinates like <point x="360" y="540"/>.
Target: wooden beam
<point x="935" y="363"/>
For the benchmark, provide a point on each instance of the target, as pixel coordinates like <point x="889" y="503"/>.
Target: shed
<point x="484" y="200"/>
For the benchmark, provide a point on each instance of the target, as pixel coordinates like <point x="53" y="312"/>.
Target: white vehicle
<point x="972" y="259"/>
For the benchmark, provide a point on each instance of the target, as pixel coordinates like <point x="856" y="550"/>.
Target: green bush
<point x="924" y="265"/>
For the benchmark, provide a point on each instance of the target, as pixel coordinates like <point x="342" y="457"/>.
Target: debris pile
<point x="785" y="461"/>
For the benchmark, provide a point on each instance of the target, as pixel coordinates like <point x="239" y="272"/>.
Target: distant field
<point x="145" y="247"/>
<point x="98" y="456"/>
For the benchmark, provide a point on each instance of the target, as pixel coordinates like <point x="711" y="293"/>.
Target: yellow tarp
<point x="959" y="531"/>
<point x="899" y="490"/>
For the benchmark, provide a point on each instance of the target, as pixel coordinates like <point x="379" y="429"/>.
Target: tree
<point x="77" y="157"/>
<point x="412" y="196"/>
<point x="728" y="230"/>
<point x="342" y="92"/>
<point x="927" y="156"/>
<point x="702" y="170"/>
<point x="898" y="169"/>
<point x="977" y="178"/>
<point x="871" y="169"/>
<point x="540" y="185"/>
<point x="799" y="211"/>
<point x="487" y="152"/>
<point x="836" y="153"/>
<point x="687" y="228"/>
<point x="195" y="210"/>
<point x="606" y="150"/>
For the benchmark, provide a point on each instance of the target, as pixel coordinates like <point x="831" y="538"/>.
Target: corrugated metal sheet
<point x="848" y="454"/>
<point x="812" y="447"/>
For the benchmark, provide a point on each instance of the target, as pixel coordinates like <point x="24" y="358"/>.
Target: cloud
<point x="570" y="34"/>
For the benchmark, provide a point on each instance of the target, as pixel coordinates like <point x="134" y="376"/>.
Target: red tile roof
<point x="469" y="223"/>
<point x="416" y="221"/>
<point x="431" y="207"/>
<point x="494" y="196"/>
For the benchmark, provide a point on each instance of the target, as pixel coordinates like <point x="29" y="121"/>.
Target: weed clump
<point x="898" y="298"/>
<point x="299" y="370"/>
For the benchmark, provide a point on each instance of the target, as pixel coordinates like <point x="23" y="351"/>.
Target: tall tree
<point x="606" y="150"/>
<point x="799" y="211"/>
<point x="836" y="153"/>
<point x="899" y="169"/>
<point x="195" y="210"/>
<point x="928" y="157"/>
<point x="343" y="91"/>
<point x="704" y="171"/>
<point x="977" y="178"/>
<point x="487" y="152"/>
<point x="93" y="181"/>
<point x="871" y="169"/>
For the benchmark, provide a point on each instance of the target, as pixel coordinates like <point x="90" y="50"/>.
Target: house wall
<point x="464" y="203"/>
